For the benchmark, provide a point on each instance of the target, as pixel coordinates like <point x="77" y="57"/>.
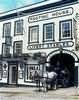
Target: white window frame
<point x="0" y="71"/>
<point x="30" y="70"/>
<point x="15" y="43"/>
<point x="61" y="31"/>
<point x="35" y="37"/>
<point x="5" y="49"/>
<point x="16" y="25"/>
<point x="45" y="33"/>
<point x="6" y="29"/>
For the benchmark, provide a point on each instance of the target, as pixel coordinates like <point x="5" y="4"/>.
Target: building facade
<point x="38" y="37"/>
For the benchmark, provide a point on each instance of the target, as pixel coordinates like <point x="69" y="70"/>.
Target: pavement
<point x="71" y="93"/>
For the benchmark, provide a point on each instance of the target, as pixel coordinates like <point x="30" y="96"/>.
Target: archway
<point x="65" y="61"/>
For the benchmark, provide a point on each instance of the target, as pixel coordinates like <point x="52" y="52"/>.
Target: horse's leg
<point x="54" y="84"/>
<point x="39" y="84"/>
<point x="45" y="86"/>
<point x="36" y="84"/>
<point x="51" y="85"/>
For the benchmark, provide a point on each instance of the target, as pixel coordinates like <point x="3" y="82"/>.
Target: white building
<point x="38" y="36"/>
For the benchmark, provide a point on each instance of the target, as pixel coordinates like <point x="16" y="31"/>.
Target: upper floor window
<point x="48" y="32"/>
<point x="6" y="29"/>
<point x="34" y="34"/>
<point x="66" y="29"/>
<point x="5" y="49"/>
<point x="18" y="28"/>
<point x="18" y="47"/>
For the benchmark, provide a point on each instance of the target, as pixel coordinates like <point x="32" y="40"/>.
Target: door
<point x="12" y="74"/>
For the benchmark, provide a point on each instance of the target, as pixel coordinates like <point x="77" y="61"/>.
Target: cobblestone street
<point x="33" y="94"/>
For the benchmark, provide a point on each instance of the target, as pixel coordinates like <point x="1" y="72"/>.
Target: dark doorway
<point x="14" y="74"/>
<point x="64" y="62"/>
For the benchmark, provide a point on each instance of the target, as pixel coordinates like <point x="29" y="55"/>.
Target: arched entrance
<point x="63" y="61"/>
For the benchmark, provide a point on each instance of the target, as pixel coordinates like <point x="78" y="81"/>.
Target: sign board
<point x="50" y="45"/>
<point x="52" y="14"/>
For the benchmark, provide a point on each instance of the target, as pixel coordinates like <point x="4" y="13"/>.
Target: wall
<point x="24" y="37"/>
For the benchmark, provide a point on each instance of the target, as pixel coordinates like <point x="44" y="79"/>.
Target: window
<point x="65" y="29"/>
<point x="18" y="47"/>
<point x="48" y="32"/>
<point x="33" y="34"/>
<point x="21" y="71"/>
<point x="0" y="71"/>
<point x="30" y="70"/>
<point x="6" y="29"/>
<point x="5" y="72"/>
<point x="18" y="27"/>
<point x="5" y="50"/>
<point x="8" y="40"/>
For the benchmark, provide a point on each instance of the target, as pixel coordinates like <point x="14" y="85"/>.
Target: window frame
<point x="5" y="73"/>
<point x="60" y="30"/>
<point x="31" y="68"/>
<point x="1" y="72"/>
<point x="29" y="36"/>
<point x="21" y="71"/>
<point x="2" y="49"/>
<point x="44" y="34"/>
<point x="14" y="47"/>
<point x="15" y="27"/>
<point x="4" y="29"/>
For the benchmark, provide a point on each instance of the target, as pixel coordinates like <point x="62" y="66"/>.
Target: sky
<point x="6" y="5"/>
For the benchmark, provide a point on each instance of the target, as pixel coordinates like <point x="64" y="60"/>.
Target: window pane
<point x="0" y="74"/>
<point x="48" y="32"/>
<point x="18" y="47"/>
<point x="19" y="27"/>
<point x="0" y="71"/>
<point x="5" y="50"/>
<point x="65" y="29"/>
<point x="4" y="75"/>
<point x="7" y="29"/>
<point x="34" y="33"/>
<point x="30" y="70"/>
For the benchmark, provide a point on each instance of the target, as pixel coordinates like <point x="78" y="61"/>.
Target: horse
<point x="47" y="78"/>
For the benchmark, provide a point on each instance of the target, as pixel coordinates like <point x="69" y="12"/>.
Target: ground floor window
<point x="0" y="71"/>
<point x="21" y="71"/>
<point x="5" y="71"/>
<point x="20" y="74"/>
<point x="30" y="69"/>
